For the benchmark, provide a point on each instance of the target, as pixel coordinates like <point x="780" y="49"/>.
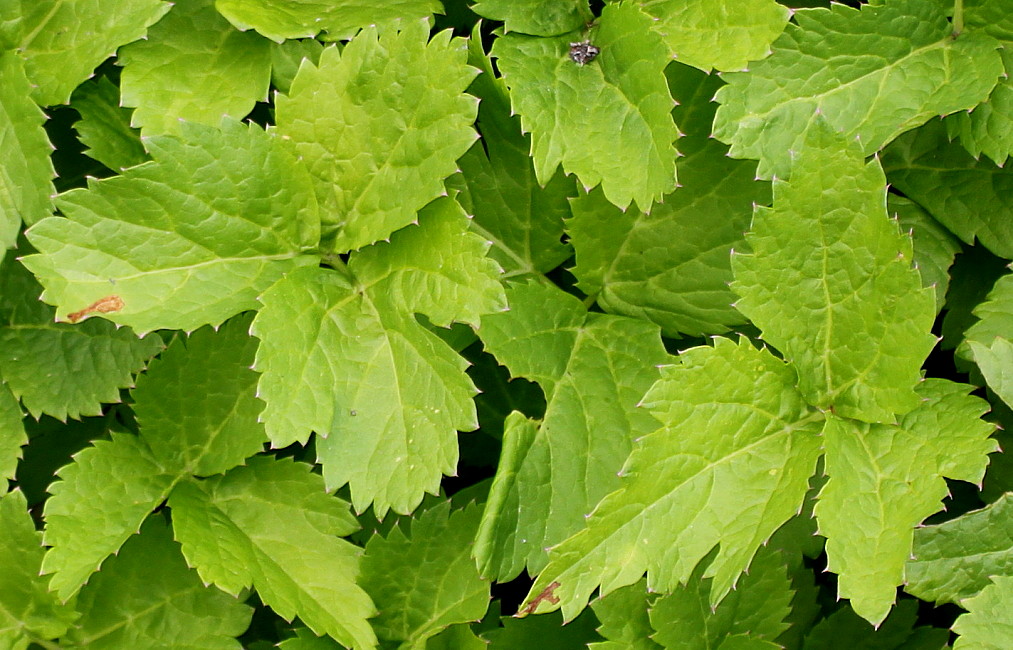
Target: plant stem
<point x="958" y="17"/>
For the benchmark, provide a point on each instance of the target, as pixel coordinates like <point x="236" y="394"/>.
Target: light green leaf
<point x="886" y="479"/>
<point x="26" y="185"/>
<point x="872" y="74"/>
<point x="624" y="619"/>
<point x="845" y="630"/>
<point x="536" y="17"/>
<point x="271" y="525"/>
<point x="547" y="631"/>
<point x="953" y="561"/>
<point x="987" y="625"/>
<point x="996" y="363"/>
<point x="607" y="121"/>
<point x="196" y="405"/>
<point x="12" y="435"/>
<point x="187" y="240"/>
<point x="28" y="610"/>
<point x="721" y="34"/>
<point x="990" y="340"/>
<point x="288" y="56"/>
<point x="193" y="66"/>
<point x="105" y="495"/>
<point x="146" y="597"/>
<point x="341" y="354"/>
<point x="594" y="369"/>
<point x="60" y="369"/>
<point x="756" y="438"/>
<point x="497" y="183"/>
<point x="104" y="127"/>
<point x="934" y="246"/>
<point x="340" y="19"/>
<point x="380" y="124"/>
<point x="427" y="581"/>
<point x="829" y="281"/>
<point x="967" y="196"/>
<point x="63" y="41"/>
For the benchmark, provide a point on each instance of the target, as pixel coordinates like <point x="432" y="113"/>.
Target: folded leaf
<point x="829" y="280"/>
<point x="594" y="369"/>
<point x="886" y="479"/>
<point x="380" y="124"/>
<point x="607" y="121"/>
<point x="987" y="623"/>
<point x="757" y="439"/>
<point x="187" y="240"/>
<point x="271" y="525"/>
<point x="342" y="354"/>
<point x="146" y="597"/>
<point x="193" y="66"/>
<point x="872" y="73"/>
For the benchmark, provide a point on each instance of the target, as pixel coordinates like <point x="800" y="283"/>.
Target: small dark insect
<point x="583" y="52"/>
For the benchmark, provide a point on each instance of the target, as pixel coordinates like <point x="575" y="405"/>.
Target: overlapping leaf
<point x="104" y="127"/>
<point x="28" y="610"/>
<point x="193" y="66"/>
<point x="988" y="624"/>
<point x="594" y="369"/>
<point x="721" y="34"/>
<point x="607" y="121"/>
<point x="340" y="19"/>
<point x="886" y="479"/>
<point x="189" y="239"/>
<point x="967" y="196"/>
<point x="829" y="280"/>
<point x="271" y="525"/>
<point x="60" y="369"/>
<point x="934" y="246"/>
<point x="26" y="184"/>
<point x="497" y="184"/>
<point x="757" y="439"/>
<point x="343" y="355"/>
<point x="872" y="73"/>
<point x="63" y="41"/>
<point x="380" y="124"/>
<point x="536" y="17"/>
<point x="954" y="560"/>
<point x="12" y="435"/>
<point x="624" y="619"/>
<point x="426" y="581"/>
<point x="990" y="340"/>
<point x="844" y="629"/>
<point x="146" y="597"/>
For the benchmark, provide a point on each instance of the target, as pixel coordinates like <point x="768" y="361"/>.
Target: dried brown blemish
<point x="100" y="306"/>
<point x="546" y="595"/>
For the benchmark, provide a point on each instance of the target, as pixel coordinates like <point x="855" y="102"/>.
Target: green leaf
<point x="547" y="631"/>
<point x="954" y="560"/>
<point x="608" y="121"/>
<point x="872" y="74"/>
<point x="990" y="340"/>
<point x="340" y="19"/>
<point x="104" y="127"/>
<point x="187" y="240"/>
<point x="536" y="17"/>
<point x="750" y="616"/>
<point x="934" y="246"/>
<point x="427" y="581"/>
<point x="83" y="365"/>
<point x="12" y="435"/>
<point x="63" y="41"/>
<point x="28" y="610"/>
<point x="829" y="281"/>
<point x="456" y="637"/>
<point x="271" y="525"/>
<point x="973" y="274"/>
<point x="497" y="184"/>
<point x="987" y="625"/>
<point x="193" y="66"/>
<point x="102" y="500"/>
<point x="26" y="186"/>
<point x="967" y="196"/>
<point x="288" y="56"/>
<point x="886" y="479"/>
<point x="722" y="34"/>
<point x="380" y="124"/>
<point x="624" y="619"/>
<point x="196" y="405"/>
<point x="386" y="396"/>
<point x="306" y="640"/>
<point x="845" y="630"/>
<point x="594" y="370"/>
<point x="756" y="438"/>
<point x="146" y="597"/>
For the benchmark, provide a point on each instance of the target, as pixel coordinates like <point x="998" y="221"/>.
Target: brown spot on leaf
<point x="100" y="306"/>
<point x="547" y="595"/>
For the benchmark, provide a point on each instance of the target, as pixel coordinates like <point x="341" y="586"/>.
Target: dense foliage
<point x="360" y="320"/>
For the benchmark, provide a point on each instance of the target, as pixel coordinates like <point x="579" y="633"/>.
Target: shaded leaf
<point x="286" y="58"/>
<point x="845" y="630"/>
<point x="12" y="435"/>
<point x="104" y="127"/>
<point x="934" y="246"/>
<point x="536" y="17"/>
<point x="546" y="631"/>
<point x="990" y="340"/>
